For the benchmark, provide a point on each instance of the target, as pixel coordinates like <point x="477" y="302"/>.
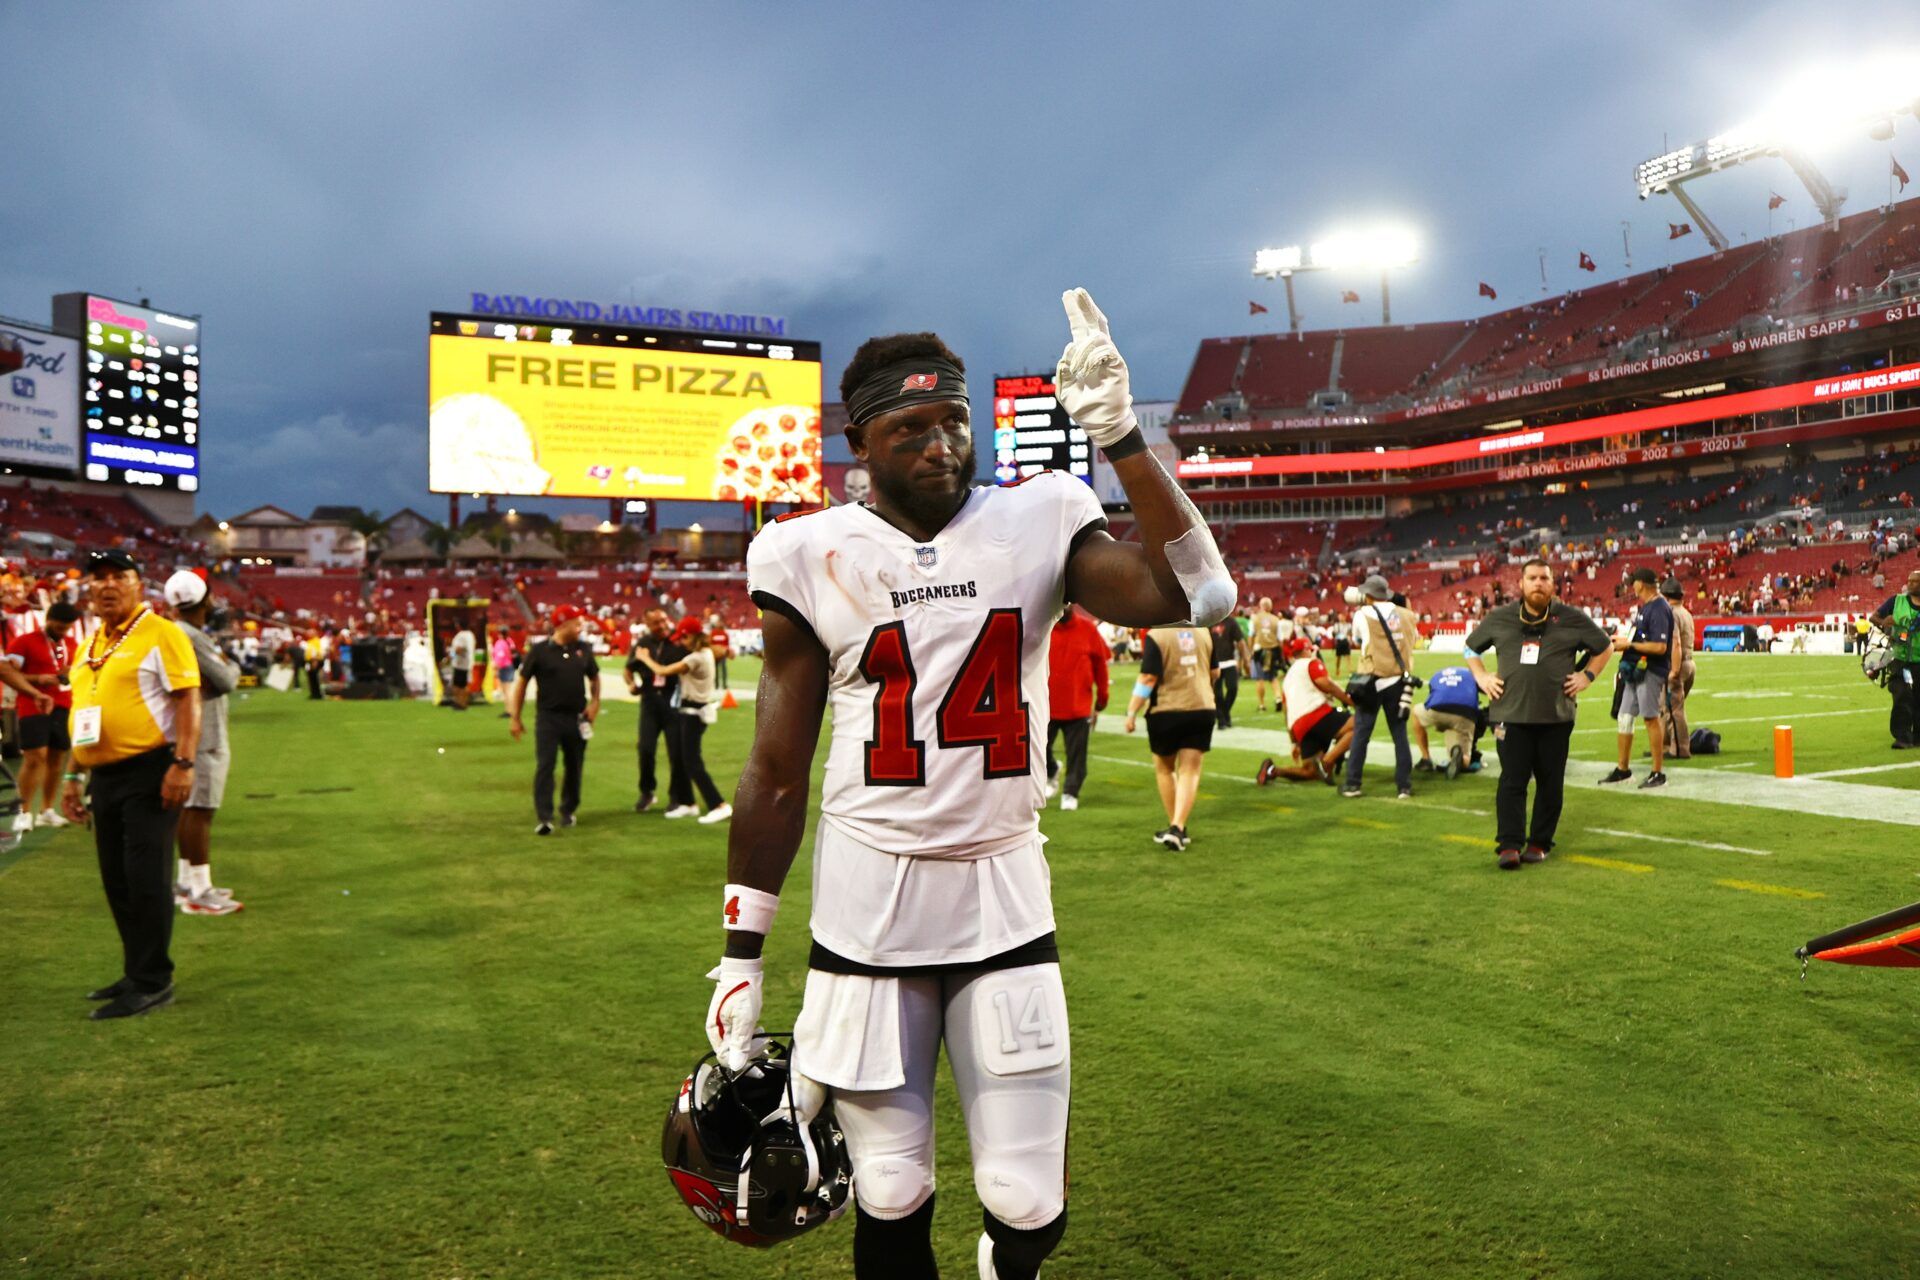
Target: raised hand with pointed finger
<point x="1091" y="379"/>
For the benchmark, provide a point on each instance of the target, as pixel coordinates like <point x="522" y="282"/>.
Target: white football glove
<point x="1091" y="380"/>
<point x="733" y="1016"/>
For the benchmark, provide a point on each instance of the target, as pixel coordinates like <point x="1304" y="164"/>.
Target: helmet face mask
<point x="747" y="1158"/>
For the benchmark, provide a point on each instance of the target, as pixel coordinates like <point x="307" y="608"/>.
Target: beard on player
<point x="920" y="459"/>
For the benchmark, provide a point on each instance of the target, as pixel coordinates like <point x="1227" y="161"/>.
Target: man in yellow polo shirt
<point x="135" y="727"/>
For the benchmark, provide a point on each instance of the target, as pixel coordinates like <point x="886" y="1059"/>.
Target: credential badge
<point x="925" y="556"/>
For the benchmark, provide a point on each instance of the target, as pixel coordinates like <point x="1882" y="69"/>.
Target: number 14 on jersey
<point x="981" y="708"/>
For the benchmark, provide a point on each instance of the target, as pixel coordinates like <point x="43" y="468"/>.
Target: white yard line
<point x="1870" y="768"/>
<point x="1814" y="796"/>
<point x="1148" y="764"/>
<point x="1785" y="717"/>
<point x="1696" y="844"/>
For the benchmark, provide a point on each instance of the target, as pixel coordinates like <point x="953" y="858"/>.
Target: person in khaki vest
<point x="1680" y="681"/>
<point x="1176" y="689"/>
<point x="1386" y="636"/>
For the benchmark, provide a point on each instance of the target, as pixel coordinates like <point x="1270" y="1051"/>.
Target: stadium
<point x="1333" y="1013"/>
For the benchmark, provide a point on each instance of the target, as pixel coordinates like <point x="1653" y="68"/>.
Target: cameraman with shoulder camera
<point x="1645" y="647"/>
<point x="1899" y="619"/>
<point x="1383" y="682"/>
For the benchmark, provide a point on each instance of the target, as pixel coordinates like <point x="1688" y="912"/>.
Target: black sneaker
<point x="1899" y="745"/>
<point x="133" y="1003"/>
<point x="567" y="820"/>
<point x="1454" y="764"/>
<point x="112" y="991"/>
<point x="544" y="829"/>
<point x="1326" y="774"/>
<point x="1654" y="780"/>
<point x="1618" y="775"/>
<point x="1423" y="765"/>
<point x="1179" y="834"/>
<point x="1171" y="837"/>
<point x="644" y="803"/>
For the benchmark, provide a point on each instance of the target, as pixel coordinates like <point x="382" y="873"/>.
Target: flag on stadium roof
<point x="1255" y="309"/>
<point x="1348" y="295"/>
<point x="1486" y="290"/>
<point x="1898" y="172"/>
<point x="1586" y="263"/>
<point x="1775" y="200"/>
<point x="1677" y="229"/>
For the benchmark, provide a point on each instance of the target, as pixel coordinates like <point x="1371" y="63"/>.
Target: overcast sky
<point x="315" y="179"/>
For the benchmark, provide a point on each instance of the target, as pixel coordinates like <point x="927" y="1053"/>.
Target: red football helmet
<point x="753" y="1161"/>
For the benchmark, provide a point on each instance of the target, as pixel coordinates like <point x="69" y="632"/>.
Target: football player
<point x="923" y="618"/>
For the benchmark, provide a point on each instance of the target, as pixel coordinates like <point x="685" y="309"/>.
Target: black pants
<point x="313" y="681"/>
<point x="1226" y="687"/>
<point x="720" y="671"/>
<point x="133" y="836"/>
<point x="557" y="735"/>
<point x="692" y="767"/>
<point x="657" y="721"/>
<point x="1073" y="734"/>
<point x="1535" y="753"/>
<point x="1903" y="684"/>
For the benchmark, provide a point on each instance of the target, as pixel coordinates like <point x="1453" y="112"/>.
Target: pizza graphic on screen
<point x="772" y="455"/>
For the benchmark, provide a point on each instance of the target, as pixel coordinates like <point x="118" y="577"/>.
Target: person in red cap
<point x="1321" y="734"/>
<point x="565" y="707"/>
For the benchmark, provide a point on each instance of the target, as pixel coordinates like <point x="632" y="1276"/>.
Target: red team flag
<point x="1774" y="201"/>
<point x="1898" y="172"/>
<point x="1587" y="264"/>
<point x="1348" y="295"/>
<point x="1486" y="290"/>
<point x="1255" y="309"/>
<point x="1677" y="229"/>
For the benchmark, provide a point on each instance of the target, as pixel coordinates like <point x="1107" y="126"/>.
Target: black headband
<point x="916" y="380"/>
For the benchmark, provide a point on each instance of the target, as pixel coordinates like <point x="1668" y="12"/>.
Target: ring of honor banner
<point x="603" y="412"/>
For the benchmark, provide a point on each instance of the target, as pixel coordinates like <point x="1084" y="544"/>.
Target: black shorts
<point x="1342" y="648"/>
<point x="45" y="731"/>
<point x="1171" y="731"/>
<point x="1324" y="731"/>
<point x="459" y="678"/>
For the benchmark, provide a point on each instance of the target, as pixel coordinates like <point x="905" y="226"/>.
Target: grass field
<point x="1328" y="1040"/>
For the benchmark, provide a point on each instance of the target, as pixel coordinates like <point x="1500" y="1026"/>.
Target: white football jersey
<point x="938" y="659"/>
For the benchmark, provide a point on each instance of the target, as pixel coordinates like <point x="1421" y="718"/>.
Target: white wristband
<point x="749" y="909"/>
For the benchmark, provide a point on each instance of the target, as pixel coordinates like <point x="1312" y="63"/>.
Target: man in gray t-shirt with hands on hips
<point x="1548" y="653"/>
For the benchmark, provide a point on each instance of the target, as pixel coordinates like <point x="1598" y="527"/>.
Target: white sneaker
<point x="684" y="811"/>
<point x="985" y="1256"/>
<point x="1069" y="803"/>
<point x="712" y="816"/>
<point x="22" y="822"/>
<point x="1053" y="787"/>
<point x="211" y="903"/>
<point x="180" y="894"/>
<point x="48" y="818"/>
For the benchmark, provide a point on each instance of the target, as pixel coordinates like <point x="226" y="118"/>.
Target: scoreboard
<point x="140" y="401"/>
<point x="1032" y="433"/>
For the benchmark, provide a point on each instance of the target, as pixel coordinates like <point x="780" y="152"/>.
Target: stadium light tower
<point x="1823" y="106"/>
<point x="1378" y="250"/>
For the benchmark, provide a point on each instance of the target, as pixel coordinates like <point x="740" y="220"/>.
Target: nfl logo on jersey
<point x="925" y="556"/>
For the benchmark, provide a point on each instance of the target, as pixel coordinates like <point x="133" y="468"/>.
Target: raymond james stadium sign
<point x="516" y="304"/>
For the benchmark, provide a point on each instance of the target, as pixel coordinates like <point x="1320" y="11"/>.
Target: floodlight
<point x="1276" y="262"/>
<point x="1377" y="250"/>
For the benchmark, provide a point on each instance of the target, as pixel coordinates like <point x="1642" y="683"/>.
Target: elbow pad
<point x="1196" y="562"/>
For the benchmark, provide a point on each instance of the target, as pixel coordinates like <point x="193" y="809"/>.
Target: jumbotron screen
<point x="140" y="403"/>
<point x="605" y="412"/>
<point x="1032" y="433"/>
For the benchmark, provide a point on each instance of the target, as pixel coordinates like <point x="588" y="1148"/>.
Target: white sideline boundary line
<point x="1773" y="719"/>
<point x="1696" y="844"/>
<point x="1868" y="768"/>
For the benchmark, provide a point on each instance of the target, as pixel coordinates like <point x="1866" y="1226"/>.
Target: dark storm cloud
<point x="315" y="180"/>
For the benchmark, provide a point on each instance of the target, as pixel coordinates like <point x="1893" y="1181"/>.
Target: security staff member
<point x="135" y="730"/>
<point x="1899" y="618"/>
<point x="567" y="704"/>
<point x="1267" y="665"/>
<point x="1176" y="672"/>
<point x="1548" y="653"/>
